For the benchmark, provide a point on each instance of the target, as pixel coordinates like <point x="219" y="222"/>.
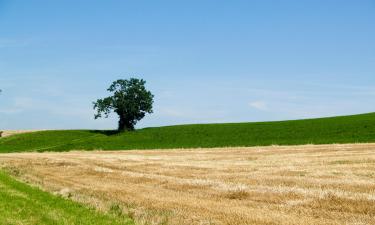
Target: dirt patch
<point x="259" y="185"/>
<point x="6" y="133"/>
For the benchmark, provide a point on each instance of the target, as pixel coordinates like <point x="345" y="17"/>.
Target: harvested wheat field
<point x="324" y="184"/>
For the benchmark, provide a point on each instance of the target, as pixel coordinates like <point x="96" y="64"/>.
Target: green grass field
<point x="344" y="129"/>
<point x="22" y="204"/>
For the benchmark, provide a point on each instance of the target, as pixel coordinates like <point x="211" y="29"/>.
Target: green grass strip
<point x="23" y="204"/>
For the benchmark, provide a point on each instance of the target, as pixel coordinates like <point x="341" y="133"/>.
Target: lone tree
<point x="130" y="100"/>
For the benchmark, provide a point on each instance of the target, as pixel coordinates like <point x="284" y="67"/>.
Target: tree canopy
<point x="130" y="100"/>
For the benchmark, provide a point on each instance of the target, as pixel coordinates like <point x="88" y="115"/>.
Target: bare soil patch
<point x="323" y="184"/>
<point x="7" y="133"/>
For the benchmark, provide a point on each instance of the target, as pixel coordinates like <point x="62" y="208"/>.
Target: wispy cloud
<point x="167" y="115"/>
<point x="19" y="104"/>
<point x="65" y="108"/>
<point x="175" y="113"/>
<point x="12" y="43"/>
<point x="259" y="105"/>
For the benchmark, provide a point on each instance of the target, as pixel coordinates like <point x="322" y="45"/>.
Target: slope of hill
<point x="343" y="129"/>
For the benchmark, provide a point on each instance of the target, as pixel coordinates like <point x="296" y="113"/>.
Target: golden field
<point x="311" y="184"/>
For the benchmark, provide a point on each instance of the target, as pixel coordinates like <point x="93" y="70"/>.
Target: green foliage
<point x="346" y="129"/>
<point x="130" y="100"/>
<point x="22" y="204"/>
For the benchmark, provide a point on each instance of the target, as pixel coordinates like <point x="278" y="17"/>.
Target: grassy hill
<point x="343" y="129"/>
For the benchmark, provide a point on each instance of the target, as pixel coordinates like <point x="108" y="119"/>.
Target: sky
<point x="206" y="61"/>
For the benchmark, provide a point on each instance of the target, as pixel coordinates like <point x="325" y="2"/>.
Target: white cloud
<point x="23" y="103"/>
<point x="64" y="108"/>
<point x="10" y="43"/>
<point x="9" y="111"/>
<point x="174" y="113"/>
<point x="259" y="105"/>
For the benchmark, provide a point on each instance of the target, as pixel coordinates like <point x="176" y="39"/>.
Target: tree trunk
<point x="124" y="124"/>
<point x="121" y="124"/>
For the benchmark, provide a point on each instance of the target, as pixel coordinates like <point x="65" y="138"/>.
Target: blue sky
<point x="205" y="60"/>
